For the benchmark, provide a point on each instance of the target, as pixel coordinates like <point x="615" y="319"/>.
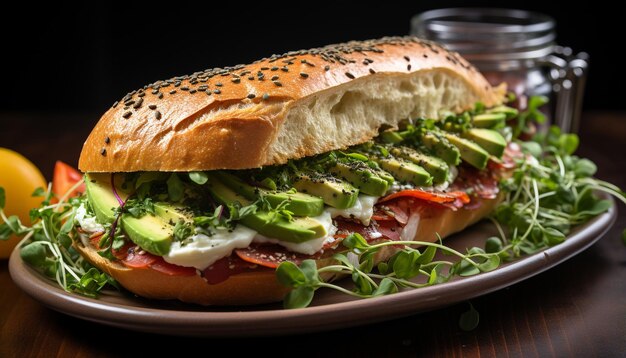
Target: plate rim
<point x="317" y="318"/>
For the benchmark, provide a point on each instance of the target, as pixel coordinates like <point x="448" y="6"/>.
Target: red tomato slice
<point x="65" y="177"/>
<point x="432" y="197"/>
<point x="135" y="260"/>
<point x="170" y="269"/>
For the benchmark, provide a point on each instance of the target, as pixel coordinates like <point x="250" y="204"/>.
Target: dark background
<point x="84" y="57"/>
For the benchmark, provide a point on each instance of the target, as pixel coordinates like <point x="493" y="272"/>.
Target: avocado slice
<point x="152" y="233"/>
<point x="510" y="112"/>
<point x="436" y="167"/>
<point x="488" y="120"/>
<point x="470" y="151"/>
<point x="488" y="139"/>
<point x="298" y="230"/>
<point x="441" y="147"/>
<point x="100" y="195"/>
<point x="361" y="176"/>
<point x="334" y="192"/>
<point x="391" y="137"/>
<point x="406" y="171"/>
<point x="300" y="204"/>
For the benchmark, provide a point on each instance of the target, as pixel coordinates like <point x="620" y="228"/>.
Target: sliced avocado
<point x="488" y="139"/>
<point x="385" y="175"/>
<point x="150" y="232"/>
<point x="391" y="137"/>
<point x="334" y="192"/>
<point x="300" y="204"/>
<point x="436" y="167"/>
<point x="488" y="120"/>
<point x="270" y="224"/>
<point x="470" y="151"/>
<point x="508" y="111"/>
<point x="441" y="147"/>
<point x="406" y="171"/>
<point x="172" y="213"/>
<point x="361" y="176"/>
<point x="100" y="195"/>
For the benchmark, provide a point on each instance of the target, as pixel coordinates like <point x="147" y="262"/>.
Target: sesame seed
<point x="138" y="103"/>
<point x="161" y="95"/>
<point x="274" y="78"/>
<point x="304" y="75"/>
<point x="217" y="91"/>
<point x="152" y="106"/>
<point x="326" y="68"/>
<point x="172" y="91"/>
<point x="219" y="84"/>
<point x="192" y="91"/>
<point x="407" y="58"/>
<point x="236" y="80"/>
<point x="408" y="67"/>
<point x="372" y="71"/>
<point x="251" y="78"/>
<point x="127" y="114"/>
<point x="251" y="95"/>
<point x="266" y="96"/>
<point x="274" y="68"/>
<point x="157" y="115"/>
<point x="277" y="83"/>
<point x="107" y="140"/>
<point x="103" y="152"/>
<point x="349" y="75"/>
<point x="284" y="69"/>
<point x="115" y="104"/>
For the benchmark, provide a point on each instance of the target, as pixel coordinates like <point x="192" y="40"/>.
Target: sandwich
<point x="198" y="187"/>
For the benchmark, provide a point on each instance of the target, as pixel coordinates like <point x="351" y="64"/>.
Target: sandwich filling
<point x="220" y="223"/>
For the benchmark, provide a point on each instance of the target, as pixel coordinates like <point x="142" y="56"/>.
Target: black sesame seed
<point x="217" y="91"/>
<point x="425" y="55"/>
<point x="284" y="69"/>
<point x="141" y="94"/>
<point x="408" y="67"/>
<point x="160" y="95"/>
<point x="236" y="80"/>
<point x="251" y="95"/>
<point x="157" y="115"/>
<point x="349" y="75"/>
<point x="326" y="68"/>
<point x="107" y="140"/>
<point x="304" y="75"/>
<point x="115" y="104"/>
<point x="138" y="103"/>
<point x="127" y="114"/>
<point x="407" y="58"/>
<point x="172" y="91"/>
<point x="152" y="106"/>
<point x="192" y="91"/>
<point x="266" y="96"/>
<point x="219" y="84"/>
<point x="251" y="78"/>
<point x="277" y="83"/>
<point x="264" y="68"/>
<point x="184" y="88"/>
<point x="155" y="91"/>
<point x="274" y="68"/>
<point x="372" y="71"/>
<point x="103" y="152"/>
<point x="274" y="78"/>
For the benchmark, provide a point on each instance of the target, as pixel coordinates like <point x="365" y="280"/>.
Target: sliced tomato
<point x="141" y="259"/>
<point x="65" y="177"/>
<point x="170" y="269"/>
<point x="225" y="267"/>
<point x="433" y="197"/>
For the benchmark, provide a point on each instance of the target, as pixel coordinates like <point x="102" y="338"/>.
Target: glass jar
<point x="513" y="46"/>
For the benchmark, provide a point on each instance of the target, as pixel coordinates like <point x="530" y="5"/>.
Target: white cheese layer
<point x="87" y="222"/>
<point x="307" y="247"/>
<point x="201" y="251"/>
<point x="362" y="210"/>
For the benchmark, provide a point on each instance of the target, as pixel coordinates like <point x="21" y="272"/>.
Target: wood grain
<point x="575" y="309"/>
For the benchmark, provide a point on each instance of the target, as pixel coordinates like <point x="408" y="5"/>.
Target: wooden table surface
<point x="575" y="309"/>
